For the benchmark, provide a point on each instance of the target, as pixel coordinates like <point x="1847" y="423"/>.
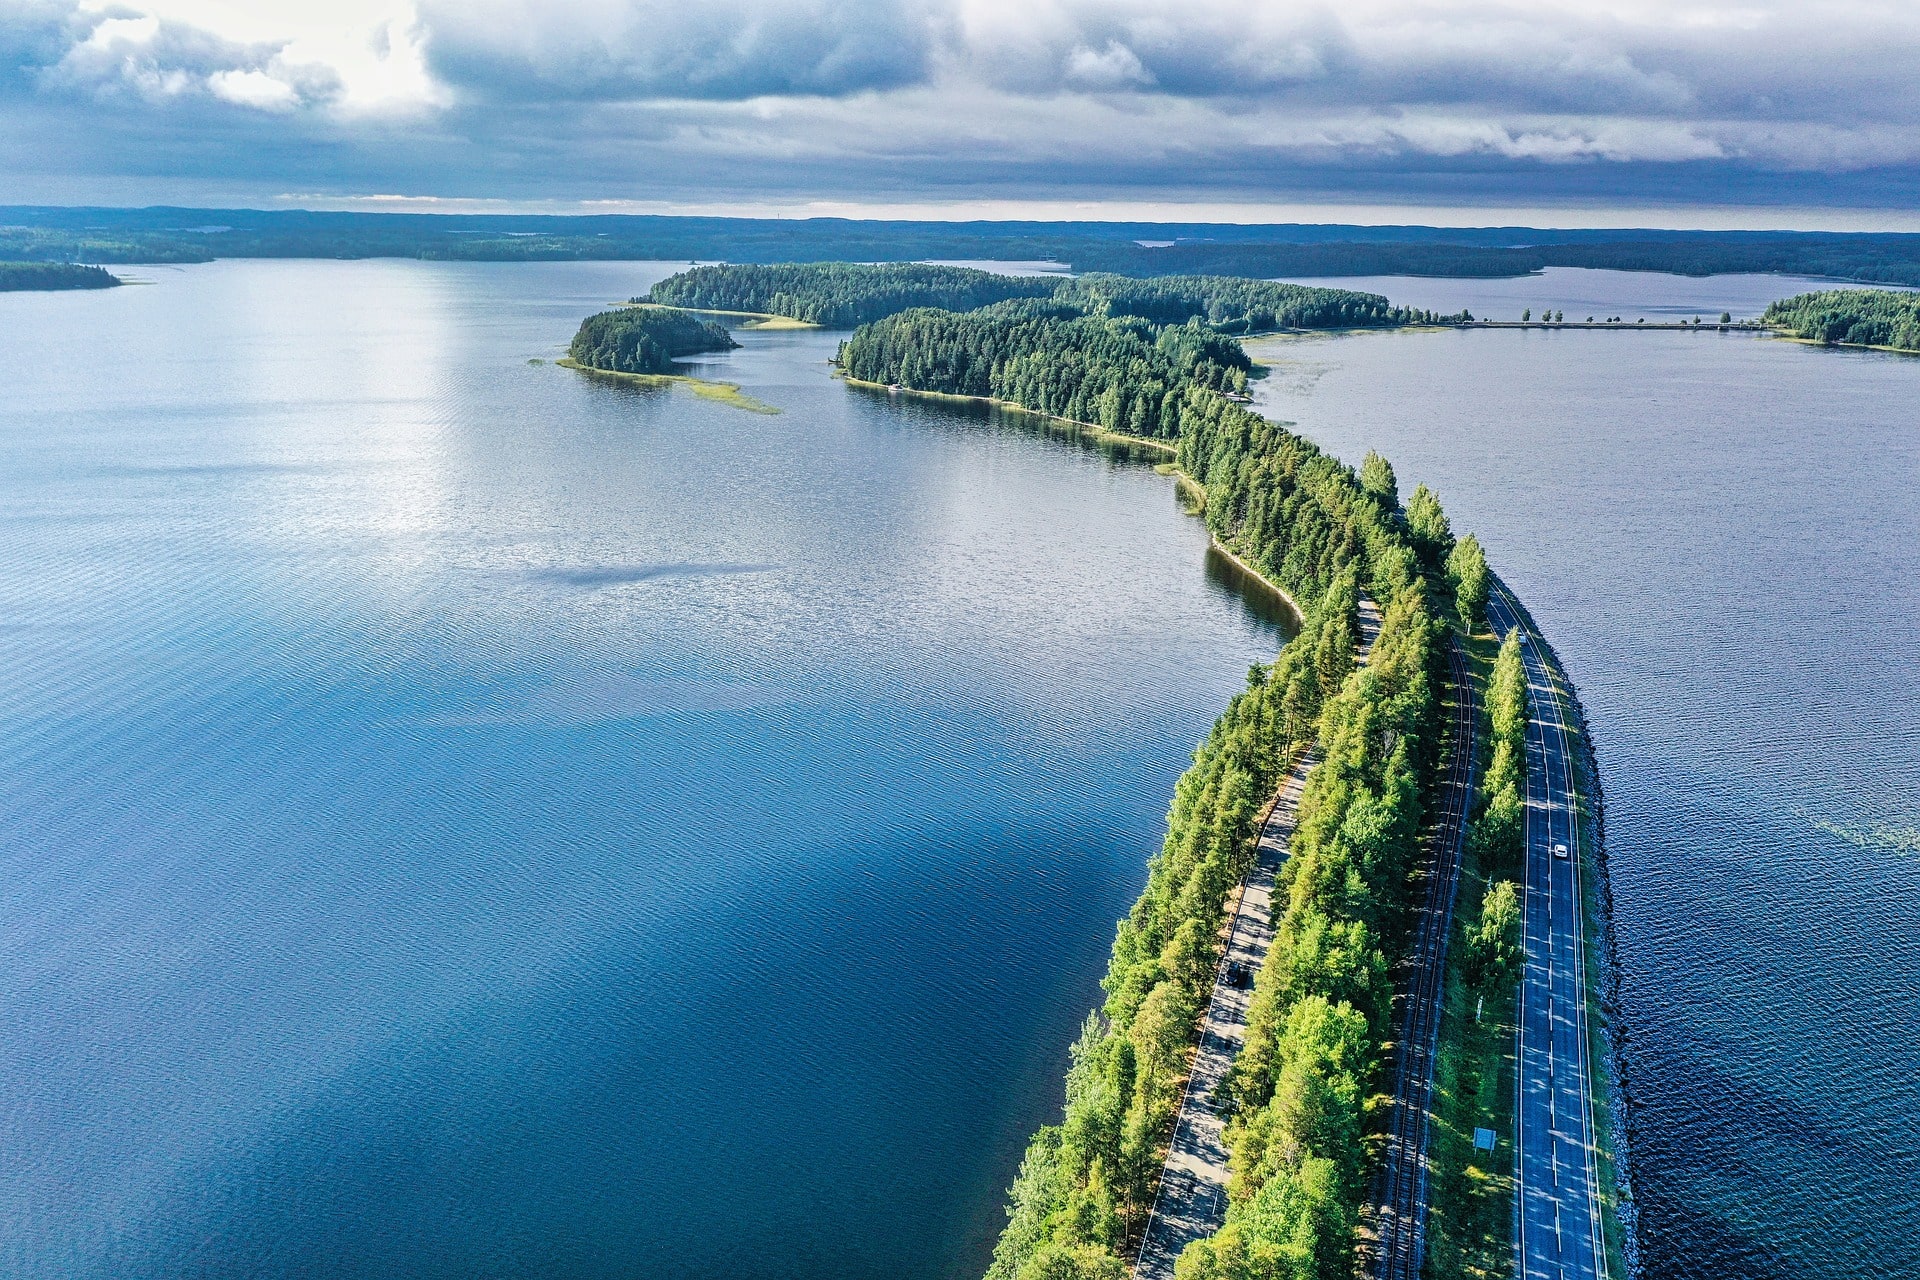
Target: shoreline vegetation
<point x="22" y="277"/>
<point x="727" y="393"/>
<point x="1869" y="319"/>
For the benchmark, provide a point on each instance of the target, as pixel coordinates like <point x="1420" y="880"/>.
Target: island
<point x="644" y="340"/>
<point x="22" y="276"/>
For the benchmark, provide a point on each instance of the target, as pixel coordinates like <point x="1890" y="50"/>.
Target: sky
<point x="1664" y="112"/>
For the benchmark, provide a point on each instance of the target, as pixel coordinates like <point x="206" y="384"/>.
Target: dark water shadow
<point x="1266" y="604"/>
<point x="615" y="575"/>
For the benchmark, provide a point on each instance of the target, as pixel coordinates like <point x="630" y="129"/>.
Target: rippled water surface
<point x="1721" y="535"/>
<point x="462" y="819"/>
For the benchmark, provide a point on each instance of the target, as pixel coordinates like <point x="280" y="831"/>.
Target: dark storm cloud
<point x="1757" y="100"/>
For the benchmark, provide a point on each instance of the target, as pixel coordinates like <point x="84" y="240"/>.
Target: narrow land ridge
<point x="1399" y="1200"/>
<point x="1191" y="1200"/>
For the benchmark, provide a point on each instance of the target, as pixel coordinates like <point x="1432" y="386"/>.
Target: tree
<point x="1432" y="538"/>
<point x="1467" y="571"/>
<point x="1526" y="315"/>
<point x="1377" y="478"/>
<point x="1726" y="317"/>
<point x="1494" y="951"/>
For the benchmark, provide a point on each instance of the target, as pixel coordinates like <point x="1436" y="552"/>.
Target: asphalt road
<point x="1191" y="1200"/>
<point x="1558" y="1227"/>
<point x="1399" y="1194"/>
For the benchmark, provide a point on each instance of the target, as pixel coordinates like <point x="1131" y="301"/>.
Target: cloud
<point x="1216" y="98"/>
<point x="1114" y="67"/>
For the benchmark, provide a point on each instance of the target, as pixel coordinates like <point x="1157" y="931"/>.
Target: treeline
<point x="1260" y="252"/>
<point x="844" y="294"/>
<point x="1323" y="1001"/>
<point x="1085" y="1187"/>
<point x="15" y="276"/>
<point x="644" y="339"/>
<point x="1231" y="304"/>
<point x="841" y="295"/>
<point x="1859" y="317"/>
<point x="1124" y="374"/>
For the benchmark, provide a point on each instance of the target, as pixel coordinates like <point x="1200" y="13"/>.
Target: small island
<point x="19" y="276"/>
<point x="644" y="340"/>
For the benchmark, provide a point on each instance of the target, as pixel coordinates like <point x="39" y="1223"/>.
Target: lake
<point x="1720" y="534"/>
<point x="460" y="818"/>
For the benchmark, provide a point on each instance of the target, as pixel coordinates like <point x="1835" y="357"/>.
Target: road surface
<point x="1191" y="1200"/>
<point x="1399" y="1196"/>
<point x="1558" y="1229"/>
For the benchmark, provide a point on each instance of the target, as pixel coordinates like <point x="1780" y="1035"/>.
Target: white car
<point x="1559" y="851"/>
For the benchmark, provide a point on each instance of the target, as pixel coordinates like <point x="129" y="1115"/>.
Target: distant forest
<point x="644" y="339"/>
<point x="845" y="294"/>
<point x="1858" y="317"/>
<point x="47" y="234"/>
<point x="16" y="276"/>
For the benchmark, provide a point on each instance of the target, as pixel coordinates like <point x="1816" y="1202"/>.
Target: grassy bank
<point x="727" y="393"/>
<point x="753" y="319"/>
<point x="1470" y="1212"/>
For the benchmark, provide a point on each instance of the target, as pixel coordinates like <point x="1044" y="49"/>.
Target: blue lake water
<point x="1721" y="535"/>
<point x="462" y="819"/>
<point x="458" y="818"/>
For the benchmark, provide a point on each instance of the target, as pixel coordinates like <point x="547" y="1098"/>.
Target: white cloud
<point x="253" y="89"/>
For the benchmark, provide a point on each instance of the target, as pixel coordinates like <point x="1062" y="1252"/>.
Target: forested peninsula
<point x="20" y="276"/>
<point x="1851" y="317"/>
<point x="1323" y="998"/>
<point x="644" y="340"/>
<point x="1124" y="374"/>
<point x="844" y="294"/>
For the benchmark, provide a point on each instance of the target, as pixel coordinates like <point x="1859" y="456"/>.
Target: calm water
<point x="1580" y="293"/>
<point x="1721" y="534"/>
<point x="460" y="819"/>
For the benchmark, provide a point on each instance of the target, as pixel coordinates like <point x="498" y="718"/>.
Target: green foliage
<point x="644" y="339"/>
<point x="844" y="294"/>
<point x="841" y="295"/>
<point x="1467" y="574"/>
<point x="1230" y="304"/>
<point x="1123" y="374"/>
<point x="18" y="276"/>
<point x="1494" y="950"/>
<point x="1377" y="478"/>
<point x="1322" y="1000"/>
<point x="1863" y="317"/>
<point x="1432" y="536"/>
<point x="1500" y="830"/>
